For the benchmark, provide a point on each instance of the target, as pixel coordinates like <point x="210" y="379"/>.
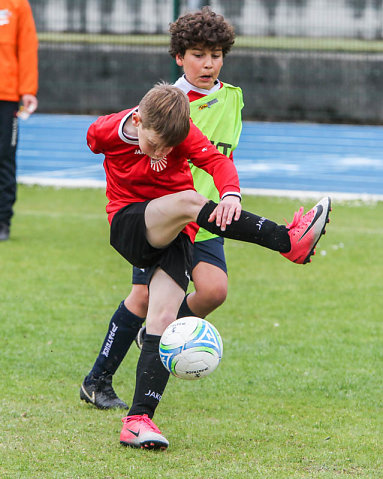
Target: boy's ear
<point x="136" y="119"/>
<point x="179" y="60"/>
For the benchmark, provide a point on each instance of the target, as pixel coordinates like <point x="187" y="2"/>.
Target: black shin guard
<point x="151" y="378"/>
<point x="250" y="228"/>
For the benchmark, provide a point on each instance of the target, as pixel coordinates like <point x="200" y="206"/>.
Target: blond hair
<point x="166" y="110"/>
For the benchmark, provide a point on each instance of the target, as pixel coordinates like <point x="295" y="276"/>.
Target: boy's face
<point x="201" y="65"/>
<point x="150" y="142"/>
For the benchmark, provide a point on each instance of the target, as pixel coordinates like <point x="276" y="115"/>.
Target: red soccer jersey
<point x="133" y="177"/>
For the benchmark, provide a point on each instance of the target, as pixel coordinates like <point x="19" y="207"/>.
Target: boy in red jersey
<point x="155" y="212"/>
<point x="199" y="42"/>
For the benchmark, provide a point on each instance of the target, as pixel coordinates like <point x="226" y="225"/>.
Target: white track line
<point x="88" y="183"/>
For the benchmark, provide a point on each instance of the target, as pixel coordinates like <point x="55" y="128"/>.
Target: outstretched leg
<point x="296" y="241"/>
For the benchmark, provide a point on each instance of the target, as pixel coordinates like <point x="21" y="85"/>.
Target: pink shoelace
<point x="144" y="418"/>
<point x="297" y="217"/>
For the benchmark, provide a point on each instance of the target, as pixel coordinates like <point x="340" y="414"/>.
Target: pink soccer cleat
<point x="140" y="431"/>
<point x="305" y="231"/>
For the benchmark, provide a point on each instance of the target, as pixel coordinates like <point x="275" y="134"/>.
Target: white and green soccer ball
<point x="191" y="348"/>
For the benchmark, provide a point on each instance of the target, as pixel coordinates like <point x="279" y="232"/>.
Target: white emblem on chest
<point x="158" y="165"/>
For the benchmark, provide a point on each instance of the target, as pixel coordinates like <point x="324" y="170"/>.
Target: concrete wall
<point x="291" y="85"/>
<point x="323" y="18"/>
<point x="326" y="87"/>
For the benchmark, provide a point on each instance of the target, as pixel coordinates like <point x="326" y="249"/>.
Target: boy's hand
<point x="227" y="210"/>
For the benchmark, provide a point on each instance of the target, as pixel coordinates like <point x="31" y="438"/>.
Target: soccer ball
<point x="191" y="348"/>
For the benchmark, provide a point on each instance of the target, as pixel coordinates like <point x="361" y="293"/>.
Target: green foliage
<point x="298" y="393"/>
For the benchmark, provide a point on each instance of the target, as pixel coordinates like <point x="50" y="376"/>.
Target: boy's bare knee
<point x="213" y="297"/>
<point x="138" y="299"/>
<point x="192" y="200"/>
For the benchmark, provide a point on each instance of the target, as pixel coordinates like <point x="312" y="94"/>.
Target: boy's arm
<point x="99" y="133"/>
<point x="204" y="155"/>
<point x="91" y="139"/>
<point x="104" y="134"/>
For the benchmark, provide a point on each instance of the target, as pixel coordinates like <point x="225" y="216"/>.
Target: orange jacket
<point x="18" y="50"/>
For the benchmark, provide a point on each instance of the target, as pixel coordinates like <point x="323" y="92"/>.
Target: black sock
<point x="151" y="378"/>
<point x="123" y="328"/>
<point x="250" y="228"/>
<point x="184" y="309"/>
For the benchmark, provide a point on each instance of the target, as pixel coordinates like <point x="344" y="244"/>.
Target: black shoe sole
<point x="148" y="446"/>
<point x="323" y="232"/>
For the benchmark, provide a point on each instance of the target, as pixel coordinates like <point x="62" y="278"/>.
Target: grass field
<point x="298" y="393"/>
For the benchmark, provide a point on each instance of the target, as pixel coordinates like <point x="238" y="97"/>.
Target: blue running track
<point x="285" y="159"/>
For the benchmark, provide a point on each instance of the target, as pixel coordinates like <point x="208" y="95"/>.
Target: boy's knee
<point x="138" y="299"/>
<point x="211" y="297"/>
<point x="192" y="199"/>
<point x="216" y="296"/>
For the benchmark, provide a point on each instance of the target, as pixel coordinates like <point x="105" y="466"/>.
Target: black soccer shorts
<point x="209" y="251"/>
<point x="128" y="237"/>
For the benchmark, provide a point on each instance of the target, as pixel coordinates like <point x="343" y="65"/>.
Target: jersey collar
<point x="185" y="86"/>
<point x="126" y="138"/>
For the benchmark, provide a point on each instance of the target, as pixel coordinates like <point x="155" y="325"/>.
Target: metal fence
<point x="317" y="60"/>
<point x="312" y="18"/>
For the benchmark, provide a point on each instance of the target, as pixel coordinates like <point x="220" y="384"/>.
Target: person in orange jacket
<point x="18" y="84"/>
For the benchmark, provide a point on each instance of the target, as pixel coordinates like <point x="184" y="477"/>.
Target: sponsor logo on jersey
<point x="138" y="151"/>
<point x="158" y="165"/>
<point x="208" y="104"/>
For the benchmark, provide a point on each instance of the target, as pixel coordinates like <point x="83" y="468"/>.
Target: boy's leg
<point x="296" y="242"/>
<point x="100" y="377"/>
<point x="97" y="385"/>
<point x="209" y="278"/>
<point x="165" y="217"/>
<point x="137" y="300"/>
<point x="209" y="275"/>
<point x="165" y="297"/>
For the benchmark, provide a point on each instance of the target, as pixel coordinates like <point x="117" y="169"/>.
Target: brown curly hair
<point x="203" y="27"/>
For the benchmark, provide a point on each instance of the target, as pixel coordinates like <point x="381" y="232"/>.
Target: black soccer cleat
<point x="100" y="393"/>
